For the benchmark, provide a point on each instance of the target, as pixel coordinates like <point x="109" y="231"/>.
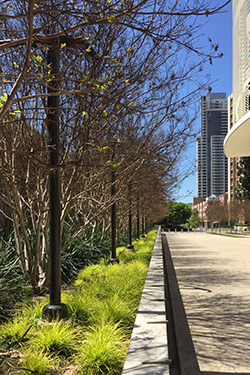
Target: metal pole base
<point x="130" y="247"/>
<point x="52" y="312"/>
<point x="113" y="261"/>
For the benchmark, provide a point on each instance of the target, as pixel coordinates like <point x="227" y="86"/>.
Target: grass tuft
<point x="13" y="333"/>
<point x="32" y="310"/>
<point x="37" y="363"/>
<point x="103" y="350"/>
<point x="81" y="306"/>
<point x="117" y="311"/>
<point x="58" y="338"/>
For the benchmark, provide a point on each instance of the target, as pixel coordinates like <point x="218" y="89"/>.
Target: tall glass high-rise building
<point x="212" y="169"/>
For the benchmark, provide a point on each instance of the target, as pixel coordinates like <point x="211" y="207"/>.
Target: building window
<point x="247" y="103"/>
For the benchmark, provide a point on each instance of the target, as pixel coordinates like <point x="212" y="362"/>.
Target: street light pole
<point x="55" y="308"/>
<point x="138" y="220"/>
<point x="130" y="245"/>
<point x="143" y="226"/>
<point x="113" y="258"/>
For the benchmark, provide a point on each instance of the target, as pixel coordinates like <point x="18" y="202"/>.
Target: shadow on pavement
<point x="217" y="303"/>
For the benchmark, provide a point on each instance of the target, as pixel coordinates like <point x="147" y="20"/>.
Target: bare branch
<point x="26" y="64"/>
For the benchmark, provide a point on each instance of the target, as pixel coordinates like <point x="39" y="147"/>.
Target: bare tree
<point x="123" y="67"/>
<point x="216" y="212"/>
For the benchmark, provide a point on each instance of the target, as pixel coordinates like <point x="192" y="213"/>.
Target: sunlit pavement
<point x="214" y="278"/>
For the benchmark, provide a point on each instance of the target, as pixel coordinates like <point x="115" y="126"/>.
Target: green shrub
<point x="131" y="280"/>
<point x="59" y="337"/>
<point x="81" y="306"/>
<point x="125" y="256"/>
<point x="89" y="273"/>
<point x="103" y="350"/>
<point x="32" y="310"/>
<point x="14" y="332"/>
<point x="13" y="287"/>
<point x="99" y="281"/>
<point x="38" y="363"/>
<point x="117" y="311"/>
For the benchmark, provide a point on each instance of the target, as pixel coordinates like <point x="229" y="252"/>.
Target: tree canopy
<point x="242" y="189"/>
<point x="195" y="219"/>
<point x="177" y="213"/>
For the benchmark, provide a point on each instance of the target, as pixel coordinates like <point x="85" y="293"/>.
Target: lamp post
<point x="55" y="309"/>
<point x="143" y="226"/>
<point x="130" y="245"/>
<point x="138" y="220"/>
<point x="113" y="258"/>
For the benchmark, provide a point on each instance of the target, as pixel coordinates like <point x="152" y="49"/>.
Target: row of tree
<point x="124" y="74"/>
<point x="235" y="212"/>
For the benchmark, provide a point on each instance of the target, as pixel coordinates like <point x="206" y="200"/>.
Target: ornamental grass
<point x="102" y="306"/>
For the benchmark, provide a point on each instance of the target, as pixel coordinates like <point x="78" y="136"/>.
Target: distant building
<point x="201" y="204"/>
<point x="212" y="168"/>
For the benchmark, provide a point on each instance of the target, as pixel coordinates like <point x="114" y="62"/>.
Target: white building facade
<point x="239" y="100"/>
<point x="241" y="58"/>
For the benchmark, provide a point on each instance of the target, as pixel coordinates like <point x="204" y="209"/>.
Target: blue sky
<point x="219" y="28"/>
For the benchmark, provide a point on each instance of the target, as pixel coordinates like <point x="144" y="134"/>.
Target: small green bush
<point x="14" y="332"/>
<point x="13" y="287"/>
<point x="37" y="362"/>
<point x="125" y="256"/>
<point x="99" y="281"/>
<point x="59" y="337"/>
<point x="31" y="311"/>
<point x="130" y="281"/>
<point x="103" y="350"/>
<point x="117" y="311"/>
<point x="81" y="306"/>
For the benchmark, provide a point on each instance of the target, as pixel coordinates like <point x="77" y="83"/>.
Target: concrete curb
<point x="148" y="348"/>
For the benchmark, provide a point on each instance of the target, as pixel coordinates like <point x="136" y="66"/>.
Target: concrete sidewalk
<point x="148" y="348"/>
<point x="214" y="278"/>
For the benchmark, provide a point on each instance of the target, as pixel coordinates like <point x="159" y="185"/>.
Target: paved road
<point x="214" y="278"/>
